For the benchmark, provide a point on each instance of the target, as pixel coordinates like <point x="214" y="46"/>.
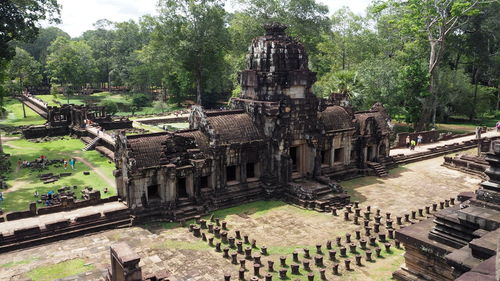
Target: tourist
<point x="36" y="193"/>
<point x="19" y="163"/>
<point x="1" y="196"/>
<point x="412" y="145"/>
<point x="408" y="141"/>
<point x="419" y="140"/>
<point x="105" y="190"/>
<point x="65" y="164"/>
<point x="72" y="163"/>
<point x="498" y="126"/>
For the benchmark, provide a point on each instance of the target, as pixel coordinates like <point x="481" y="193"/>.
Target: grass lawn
<point x="15" y="118"/>
<point x="125" y="99"/>
<point x="23" y="182"/>
<point x="60" y="270"/>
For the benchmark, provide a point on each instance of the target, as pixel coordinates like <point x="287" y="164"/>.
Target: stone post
<point x="283" y="273"/>
<point x="318" y="260"/>
<point x="332" y="254"/>
<point x="295" y="269"/>
<point x="124" y="263"/>
<point x="270" y="265"/>
<point x="335" y="268"/>
<point x="283" y="261"/>
<point x="347" y="264"/>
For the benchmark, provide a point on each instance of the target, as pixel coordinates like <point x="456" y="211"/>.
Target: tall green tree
<point x="433" y="21"/>
<point x="24" y="70"/>
<point x="100" y="41"/>
<point x="70" y="63"/>
<point x="194" y="33"/>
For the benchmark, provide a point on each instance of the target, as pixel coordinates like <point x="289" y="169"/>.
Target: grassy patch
<point x="23" y="182"/>
<point x="15" y="116"/>
<point x="256" y="209"/>
<point x="185" y="245"/>
<point x="60" y="270"/>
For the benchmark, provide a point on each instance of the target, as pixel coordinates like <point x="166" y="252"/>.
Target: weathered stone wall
<point x="41" y="131"/>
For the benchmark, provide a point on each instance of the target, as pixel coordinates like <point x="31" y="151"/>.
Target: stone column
<point x="124" y="263"/>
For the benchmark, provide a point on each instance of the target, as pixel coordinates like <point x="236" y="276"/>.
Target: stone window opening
<point x="153" y="192"/>
<point x="338" y="156"/>
<point x="182" y="188"/>
<point x="204" y="182"/>
<point x="232" y="174"/>
<point x="252" y="171"/>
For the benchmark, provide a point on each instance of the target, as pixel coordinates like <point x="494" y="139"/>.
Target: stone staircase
<point x="379" y="169"/>
<point x="91" y="145"/>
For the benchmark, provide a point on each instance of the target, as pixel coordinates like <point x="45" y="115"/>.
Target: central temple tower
<point x="277" y="67"/>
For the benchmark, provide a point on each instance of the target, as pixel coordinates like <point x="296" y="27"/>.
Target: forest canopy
<point x="425" y="60"/>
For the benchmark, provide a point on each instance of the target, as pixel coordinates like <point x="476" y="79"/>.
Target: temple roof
<point x="146" y="149"/>
<point x="336" y="118"/>
<point x="234" y="128"/>
<point x="379" y="118"/>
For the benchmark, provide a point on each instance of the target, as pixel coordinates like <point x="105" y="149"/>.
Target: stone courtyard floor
<point x="282" y="228"/>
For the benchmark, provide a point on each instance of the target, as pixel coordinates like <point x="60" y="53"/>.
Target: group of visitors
<point x="72" y="162"/>
<point x="412" y="143"/>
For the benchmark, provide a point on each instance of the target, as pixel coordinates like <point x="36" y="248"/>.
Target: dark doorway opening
<point x="231" y="173"/>
<point x="369" y="153"/>
<point x="204" y="182"/>
<point x="181" y="188"/>
<point x="250" y="170"/>
<point x="293" y="155"/>
<point x="153" y="192"/>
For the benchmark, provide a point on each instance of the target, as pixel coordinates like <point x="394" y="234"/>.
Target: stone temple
<point x="277" y="140"/>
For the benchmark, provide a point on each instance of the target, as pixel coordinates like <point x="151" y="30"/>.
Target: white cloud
<point x="79" y="15"/>
<point x="357" y="6"/>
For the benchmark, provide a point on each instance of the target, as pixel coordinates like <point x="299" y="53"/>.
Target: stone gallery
<point x="278" y="139"/>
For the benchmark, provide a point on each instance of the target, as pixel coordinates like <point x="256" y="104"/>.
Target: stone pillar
<point x="318" y="248"/>
<point x="368" y="254"/>
<point x="124" y="263"/>
<point x="270" y="265"/>
<point x="347" y="264"/>
<point x="331" y="254"/>
<point x="283" y="261"/>
<point x="295" y="269"/>
<point x="283" y="273"/>
<point x="335" y="268"/>
<point x="306" y="253"/>
<point x="358" y="260"/>
<point x="263" y="250"/>
<point x="318" y="260"/>
<point x="241" y="275"/>
<point x="307" y="265"/>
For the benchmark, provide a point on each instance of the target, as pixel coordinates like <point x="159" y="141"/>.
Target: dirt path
<point x="97" y="171"/>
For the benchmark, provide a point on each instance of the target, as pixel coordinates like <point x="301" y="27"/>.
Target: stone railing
<point x="65" y="205"/>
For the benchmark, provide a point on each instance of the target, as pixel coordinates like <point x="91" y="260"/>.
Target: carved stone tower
<point x="277" y="65"/>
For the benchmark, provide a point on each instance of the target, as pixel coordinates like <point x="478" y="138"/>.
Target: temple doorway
<point x="181" y="188"/>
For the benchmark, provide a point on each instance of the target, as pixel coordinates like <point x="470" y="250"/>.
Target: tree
<point x="101" y="42"/>
<point x="24" y="70"/>
<point x="433" y="20"/>
<point x="194" y="33"/>
<point x="70" y="62"/>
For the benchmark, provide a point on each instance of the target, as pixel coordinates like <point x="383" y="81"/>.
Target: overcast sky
<point x="78" y="15"/>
